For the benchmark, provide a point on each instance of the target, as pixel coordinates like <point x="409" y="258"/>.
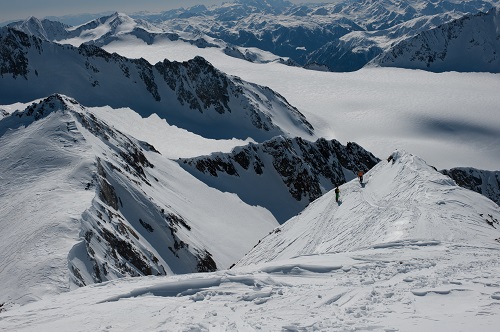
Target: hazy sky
<point x="20" y="9"/>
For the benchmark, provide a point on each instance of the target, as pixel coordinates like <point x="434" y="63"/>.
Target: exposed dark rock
<point x="147" y="226"/>
<point x="307" y="169"/>
<point x="206" y="262"/>
<point x="126" y="250"/>
<point x="78" y="276"/>
<point x="486" y="183"/>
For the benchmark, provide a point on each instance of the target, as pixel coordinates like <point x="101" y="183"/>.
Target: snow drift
<point x="283" y="174"/>
<point x="421" y="255"/>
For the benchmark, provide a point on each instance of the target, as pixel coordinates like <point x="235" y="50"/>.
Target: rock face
<point x="340" y="36"/>
<point x="282" y="174"/>
<point x="191" y="95"/>
<point x="471" y="43"/>
<point x="487" y="183"/>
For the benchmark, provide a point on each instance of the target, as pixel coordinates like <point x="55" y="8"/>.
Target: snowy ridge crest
<point x="403" y="201"/>
<point x="106" y="206"/>
<point x="340" y="36"/>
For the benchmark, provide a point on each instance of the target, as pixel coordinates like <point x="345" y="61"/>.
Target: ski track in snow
<point x="368" y="275"/>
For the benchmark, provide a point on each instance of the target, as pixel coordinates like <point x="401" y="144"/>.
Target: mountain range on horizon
<point x="343" y="36"/>
<point x="176" y="170"/>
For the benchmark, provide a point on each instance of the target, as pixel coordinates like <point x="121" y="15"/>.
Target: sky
<point x="14" y="10"/>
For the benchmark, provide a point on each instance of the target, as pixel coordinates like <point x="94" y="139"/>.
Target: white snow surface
<point x="450" y="119"/>
<point x="419" y="257"/>
<point x="400" y="202"/>
<point x="173" y="142"/>
<point x="116" y="25"/>
<point x="46" y="168"/>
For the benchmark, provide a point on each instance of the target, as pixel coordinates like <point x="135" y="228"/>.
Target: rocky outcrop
<point x="344" y="36"/>
<point x="282" y="174"/>
<point x="125" y="231"/>
<point x="468" y="44"/>
<point x="486" y="183"/>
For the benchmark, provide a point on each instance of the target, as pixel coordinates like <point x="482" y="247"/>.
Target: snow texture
<point x="192" y="95"/>
<point x="82" y="202"/>
<point x="283" y="175"/>
<point x="418" y="257"/>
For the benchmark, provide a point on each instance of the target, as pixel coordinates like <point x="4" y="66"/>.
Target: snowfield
<point x="426" y="287"/>
<point x="433" y="265"/>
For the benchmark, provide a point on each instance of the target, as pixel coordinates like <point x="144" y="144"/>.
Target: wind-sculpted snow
<point x="83" y="203"/>
<point x="192" y="95"/>
<point x="471" y="43"/>
<point x="402" y="202"/>
<point x="283" y="175"/>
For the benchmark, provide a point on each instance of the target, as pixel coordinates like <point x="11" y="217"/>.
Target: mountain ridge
<point x="402" y="201"/>
<point x="283" y="174"/>
<point x="470" y="43"/>
<point x="100" y="205"/>
<point x="192" y="95"/>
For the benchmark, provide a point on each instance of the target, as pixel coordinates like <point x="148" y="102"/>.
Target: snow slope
<point x="339" y="35"/>
<point x="419" y="257"/>
<point x="471" y="43"/>
<point x="82" y="202"/>
<point x="402" y="201"/>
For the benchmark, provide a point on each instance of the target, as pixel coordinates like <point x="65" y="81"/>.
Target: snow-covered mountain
<point x="340" y="36"/>
<point x="484" y="182"/>
<point x="115" y="214"/>
<point x="343" y="35"/>
<point x="283" y="175"/>
<point x="418" y="253"/>
<point x="95" y="30"/>
<point x="82" y="202"/>
<point x="192" y="95"/>
<point x="44" y="29"/>
<point x="471" y="43"/>
<point x="101" y="31"/>
<point x="403" y="201"/>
